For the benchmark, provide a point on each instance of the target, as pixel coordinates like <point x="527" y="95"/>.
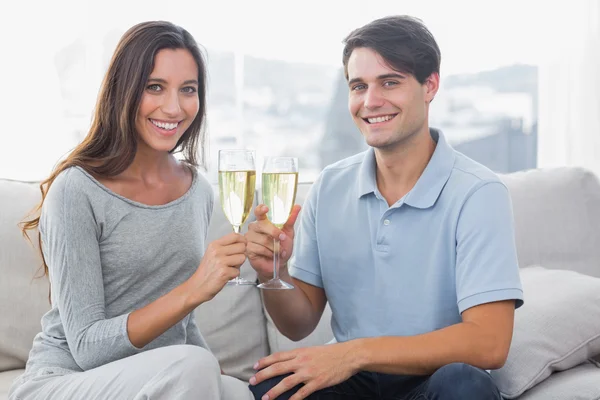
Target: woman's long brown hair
<point x="111" y="143"/>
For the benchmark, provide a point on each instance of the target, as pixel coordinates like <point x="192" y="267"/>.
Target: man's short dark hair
<point x="404" y="42"/>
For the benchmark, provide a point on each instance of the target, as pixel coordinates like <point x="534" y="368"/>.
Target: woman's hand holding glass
<point x="220" y="264"/>
<point x="237" y="178"/>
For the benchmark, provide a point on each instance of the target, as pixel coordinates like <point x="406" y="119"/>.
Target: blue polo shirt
<point x="414" y="267"/>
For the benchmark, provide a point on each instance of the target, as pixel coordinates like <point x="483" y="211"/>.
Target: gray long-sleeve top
<point x="108" y="256"/>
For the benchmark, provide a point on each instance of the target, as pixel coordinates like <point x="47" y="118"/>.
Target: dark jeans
<point x="451" y="382"/>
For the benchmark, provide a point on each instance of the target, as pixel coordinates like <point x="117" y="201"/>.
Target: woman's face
<point x="170" y="100"/>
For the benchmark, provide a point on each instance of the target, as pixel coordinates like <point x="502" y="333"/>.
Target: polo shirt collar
<point x="429" y="185"/>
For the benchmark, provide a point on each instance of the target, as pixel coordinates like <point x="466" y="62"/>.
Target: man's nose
<point x="373" y="98"/>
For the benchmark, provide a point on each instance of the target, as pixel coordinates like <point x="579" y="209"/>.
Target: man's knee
<point x="461" y="381"/>
<point x="263" y="387"/>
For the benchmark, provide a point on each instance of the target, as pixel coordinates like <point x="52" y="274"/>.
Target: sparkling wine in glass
<point x="279" y="184"/>
<point x="237" y="179"/>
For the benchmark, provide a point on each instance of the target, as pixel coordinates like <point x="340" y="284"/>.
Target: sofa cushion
<point x="23" y="299"/>
<point x="557" y="328"/>
<point x="6" y="380"/>
<point x="579" y="383"/>
<point x="557" y="215"/>
<point x="233" y="322"/>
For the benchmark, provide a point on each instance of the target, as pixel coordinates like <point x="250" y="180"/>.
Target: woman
<point x="123" y="225"/>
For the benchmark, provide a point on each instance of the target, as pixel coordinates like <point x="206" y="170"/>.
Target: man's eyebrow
<point x="392" y="75"/>
<point x="353" y="81"/>
<point x="380" y="78"/>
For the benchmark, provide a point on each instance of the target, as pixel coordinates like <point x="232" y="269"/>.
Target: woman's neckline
<point x="137" y="203"/>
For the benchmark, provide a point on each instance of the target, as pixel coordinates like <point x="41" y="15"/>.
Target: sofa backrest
<point x="557" y="218"/>
<point x="23" y="299"/>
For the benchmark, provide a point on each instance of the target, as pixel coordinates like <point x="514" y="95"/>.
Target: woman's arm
<point x="220" y="264"/>
<point x="70" y="241"/>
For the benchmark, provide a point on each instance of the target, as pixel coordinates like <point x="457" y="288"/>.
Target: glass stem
<point x="275" y="259"/>
<point x="236" y="229"/>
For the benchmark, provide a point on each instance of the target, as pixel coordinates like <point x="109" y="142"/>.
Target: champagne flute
<point x="279" y="184"/>
<point x="237" y="179"/>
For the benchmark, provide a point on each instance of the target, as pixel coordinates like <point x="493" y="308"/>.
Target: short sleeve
<point x="305" y="264"/>
<point x="487" y="269"/>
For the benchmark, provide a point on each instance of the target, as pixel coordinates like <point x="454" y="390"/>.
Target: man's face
<point x="387" y="106"/>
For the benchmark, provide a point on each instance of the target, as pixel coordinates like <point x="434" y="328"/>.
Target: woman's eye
<point x="154" y="88"/>
<point x="189" y="89"/>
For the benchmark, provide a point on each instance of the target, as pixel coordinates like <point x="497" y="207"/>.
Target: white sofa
<point x="557" y="213"/>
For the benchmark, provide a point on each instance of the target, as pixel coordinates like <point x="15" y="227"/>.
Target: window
<point x="275" y="79"/>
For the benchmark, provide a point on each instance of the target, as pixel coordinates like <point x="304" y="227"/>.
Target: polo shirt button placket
<point x="381" y="246"/>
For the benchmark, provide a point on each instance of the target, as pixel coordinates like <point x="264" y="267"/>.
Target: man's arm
<point x="481" y="340"/>
<point x="295" y="312"/>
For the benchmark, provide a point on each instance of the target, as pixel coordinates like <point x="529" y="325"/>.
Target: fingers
<point x="235" y="260"/>
<point x="228" y="245"/>
<point x="270" y="372"/>
<point x="285" y="385"/>
<point x="260" y="239"/>
<point x="306" y="390"/>
<point x="235" y="248"/>
<point x="274" y="358"/>
<point x="231" y="273"/>
<point x="264" y="227"/>
<point x="231" y="238"/>
<point x="254" y="250"/>
<point x="231" y="255"/>
<point x="289" y="224"/>
<point x="260" y="212"/>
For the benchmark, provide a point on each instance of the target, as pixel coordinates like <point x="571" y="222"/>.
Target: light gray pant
<point x="170" y="373"/>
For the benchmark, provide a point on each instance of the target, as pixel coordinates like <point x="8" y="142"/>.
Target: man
<point x="411" y="243"/>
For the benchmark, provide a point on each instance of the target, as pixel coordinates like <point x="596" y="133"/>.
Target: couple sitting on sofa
<point x="410" y="242"/>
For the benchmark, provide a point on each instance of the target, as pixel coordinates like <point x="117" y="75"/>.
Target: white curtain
<point x="569" y="89"/>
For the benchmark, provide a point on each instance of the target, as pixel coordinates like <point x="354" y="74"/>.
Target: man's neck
<point x="399" y="168"/>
